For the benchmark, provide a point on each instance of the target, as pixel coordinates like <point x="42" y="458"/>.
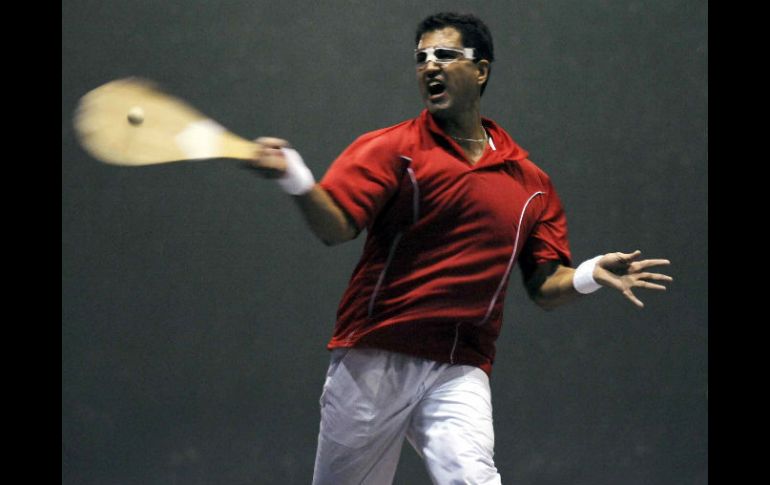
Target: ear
<point x="483" y="66"/>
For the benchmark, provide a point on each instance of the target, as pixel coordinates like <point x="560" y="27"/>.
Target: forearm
<point x="557" y="289"/>
<point x="274" y="159"/>
<point x="325" y="218"/>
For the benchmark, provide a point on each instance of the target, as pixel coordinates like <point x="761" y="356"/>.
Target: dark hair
<point x="473" y="30"/>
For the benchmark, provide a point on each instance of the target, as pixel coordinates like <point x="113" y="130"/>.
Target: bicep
<point x="328" y="220"/>
<point x="362" y="179"/>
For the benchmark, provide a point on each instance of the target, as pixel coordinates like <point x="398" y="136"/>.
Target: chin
<point x="438" y="108"/>
<point x="440" y="111"/>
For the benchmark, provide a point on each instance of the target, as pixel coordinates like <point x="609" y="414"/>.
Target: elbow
<point x="329" y="242"/>
<point x="547" y="304"/>
<point x="329" y="238"/>
<point x="549" y="307"/>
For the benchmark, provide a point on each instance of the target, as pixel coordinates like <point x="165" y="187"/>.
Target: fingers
<point x="269" y="160"/>
<point x="624" y="272"/>
<point x="626" y="283"/>
<point x="636" y="301"/>
<point x="650" y="286"/>
<point x="630" y="257"/>
<point x="647" y="263"/>
<point x="618" y="262"/>
<point x="627" y="257"/>
<point x="653" y="276"/>
<point x="272" y="142"/>
<point x="626" y="263"/>
<point x="640" y="281"/>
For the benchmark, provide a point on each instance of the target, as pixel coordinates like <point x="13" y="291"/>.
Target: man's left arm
<point x="552" y="284"/>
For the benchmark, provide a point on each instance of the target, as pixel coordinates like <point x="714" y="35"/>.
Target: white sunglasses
<point x="443" y="55"/>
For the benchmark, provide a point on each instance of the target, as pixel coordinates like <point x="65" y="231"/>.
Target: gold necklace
<point x="474" y="140"/>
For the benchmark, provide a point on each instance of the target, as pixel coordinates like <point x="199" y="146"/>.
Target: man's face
<point x="449" y="88"/>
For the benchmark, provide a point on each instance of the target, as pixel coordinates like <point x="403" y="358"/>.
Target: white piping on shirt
<point x="397" y="238"/>
<point x="502" y="281"/>
<point x="415" y="195"/>
<point x="510" y="261"/>
<point x="391" y="252"/>
<point x="454" y="345"/>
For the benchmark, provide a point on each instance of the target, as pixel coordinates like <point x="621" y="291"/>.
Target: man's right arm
<point x="325" y="217"/>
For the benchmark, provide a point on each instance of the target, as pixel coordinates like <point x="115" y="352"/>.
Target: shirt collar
<point x="505" y="148"/>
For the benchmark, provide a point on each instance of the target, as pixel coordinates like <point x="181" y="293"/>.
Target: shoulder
<point x="546" y="181"/>
<point x="379" y="149"/>
<point x="507" y="147"/>
<point x="514" y="153"/>
<point x="391" y="138"/>
<point x="533" y="170"/>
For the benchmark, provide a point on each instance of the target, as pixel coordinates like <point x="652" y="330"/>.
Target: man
<point x="450" y="202"/>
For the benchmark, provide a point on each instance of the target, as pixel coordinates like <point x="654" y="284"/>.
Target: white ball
<point x="136" y="115"/>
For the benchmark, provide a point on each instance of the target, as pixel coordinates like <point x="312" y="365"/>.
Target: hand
<point x="622" y="272"/>
<point x="269" y="161"/>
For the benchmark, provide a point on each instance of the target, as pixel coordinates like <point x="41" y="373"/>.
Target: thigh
<point x="348" y="399"/>
<point x="364" y="416"/>
<point x="451" y="428"/>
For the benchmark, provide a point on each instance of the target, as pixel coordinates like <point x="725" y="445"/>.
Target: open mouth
<point x="436" y="89"/>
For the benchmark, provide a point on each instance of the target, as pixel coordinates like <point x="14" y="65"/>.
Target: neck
<point x="466" y="125"/>
<point x="468" y="132"/>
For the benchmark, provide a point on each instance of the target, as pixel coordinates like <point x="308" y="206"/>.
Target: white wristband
<point x="298" y="179"/>
<point x="583" y="279"/>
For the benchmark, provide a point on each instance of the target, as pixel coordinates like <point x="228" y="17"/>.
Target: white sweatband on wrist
<point x="298" y="179"/>
<point x="583" y="279"/>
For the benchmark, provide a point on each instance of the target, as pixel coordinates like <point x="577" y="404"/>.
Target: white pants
<point x="373" y="399"/>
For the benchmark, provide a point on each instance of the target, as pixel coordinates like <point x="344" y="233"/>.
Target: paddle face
<point x="131" y="122"/>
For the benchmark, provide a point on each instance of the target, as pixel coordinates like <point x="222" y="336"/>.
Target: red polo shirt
<point x="442" y="236"/>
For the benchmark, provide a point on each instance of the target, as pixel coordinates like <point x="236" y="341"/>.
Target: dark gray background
<point x="196" y="305"/>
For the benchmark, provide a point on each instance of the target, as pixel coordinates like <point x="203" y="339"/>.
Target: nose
<point x="430" y="66"/>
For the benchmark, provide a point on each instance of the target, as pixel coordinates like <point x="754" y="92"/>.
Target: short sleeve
<point x="548" y="240"/>
<point x="363" y="178"/>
